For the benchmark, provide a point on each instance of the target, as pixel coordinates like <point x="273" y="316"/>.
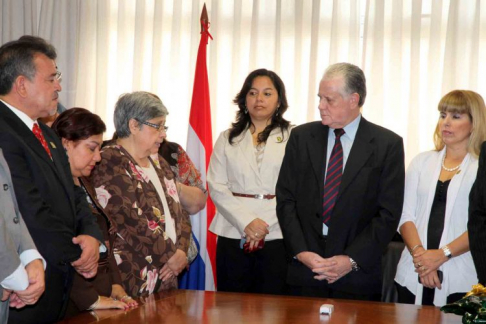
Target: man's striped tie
<point x="333" y="176"/>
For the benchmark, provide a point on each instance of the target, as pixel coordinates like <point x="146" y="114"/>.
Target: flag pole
<point x="201" y="274"/>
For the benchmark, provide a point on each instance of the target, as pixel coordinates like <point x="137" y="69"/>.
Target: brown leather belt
<point x="256" y="196"/>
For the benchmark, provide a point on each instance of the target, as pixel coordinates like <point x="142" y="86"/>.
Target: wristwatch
<point x="447" y="251"/>
<point x="354" y="265"/>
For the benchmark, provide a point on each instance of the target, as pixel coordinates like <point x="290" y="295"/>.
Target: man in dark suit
<point x="54" y="209"/>
<point x="340" y="193"/>
<point x="476" y="224"/>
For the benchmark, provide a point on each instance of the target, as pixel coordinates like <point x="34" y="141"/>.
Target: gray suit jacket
<point x="14" y="235"/>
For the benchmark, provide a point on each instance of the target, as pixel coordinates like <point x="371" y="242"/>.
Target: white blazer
<point x="233" y="168"/>
<point x="420" y="185"/>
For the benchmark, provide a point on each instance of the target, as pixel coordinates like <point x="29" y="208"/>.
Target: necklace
<point x="449" y="169"/>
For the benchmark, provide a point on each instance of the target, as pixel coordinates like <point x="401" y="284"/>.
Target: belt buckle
<point x="259" y="196"/>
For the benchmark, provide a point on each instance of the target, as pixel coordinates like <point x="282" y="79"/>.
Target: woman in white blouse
<point x="436" y="267"/>
<point x="244" y="168"/>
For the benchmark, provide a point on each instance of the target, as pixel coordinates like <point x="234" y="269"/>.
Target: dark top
<point x="437" y="215"/>
<point x="85" y="292"/>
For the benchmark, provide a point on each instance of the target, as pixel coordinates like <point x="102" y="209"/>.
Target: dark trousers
<point x="51" y="306"/>
<point x="325" y="292"/>
<point x="263" y="271"/>
<point x="405" y="296"/>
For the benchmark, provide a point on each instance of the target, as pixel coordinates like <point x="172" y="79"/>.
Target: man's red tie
<point x="333" y="176"/>
<point x="38" y="133"/>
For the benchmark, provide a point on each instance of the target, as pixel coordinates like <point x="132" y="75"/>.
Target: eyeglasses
<point x="58" y="76"/>
<point x="158" y="127"/>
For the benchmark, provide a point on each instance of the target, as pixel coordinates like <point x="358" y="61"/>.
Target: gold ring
<point x="256" y="234"/>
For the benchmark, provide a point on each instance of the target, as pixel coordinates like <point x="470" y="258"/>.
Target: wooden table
<point x="189" y="306"/>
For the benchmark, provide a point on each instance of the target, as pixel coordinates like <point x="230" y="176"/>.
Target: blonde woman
<point x="436" y="267"/>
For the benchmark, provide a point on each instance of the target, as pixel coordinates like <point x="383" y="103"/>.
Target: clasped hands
<point x="174" y="266"/>
<point x="255" y="232"/>
<point x="87" y="264"/>
<point x="426" y="263"/>
<point x="330" y="269"/>
<point x="29" y="296"/>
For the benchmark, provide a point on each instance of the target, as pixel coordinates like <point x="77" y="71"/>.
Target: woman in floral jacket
<point x="143" y="198"/>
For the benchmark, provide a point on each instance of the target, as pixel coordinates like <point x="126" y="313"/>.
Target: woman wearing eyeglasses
<point x="143" y="198"/>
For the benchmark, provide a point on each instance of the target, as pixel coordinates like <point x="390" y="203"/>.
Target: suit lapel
<point x="18" y="127"/>
<point x="317" y="149"/>
<point x="358" y="156"/>
<point x="272" y="148"/>
<point x="56" y="154"/>
<point x="24" y="132"/>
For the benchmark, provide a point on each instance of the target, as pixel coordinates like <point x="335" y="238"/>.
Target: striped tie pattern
<point x="333" y="176"/>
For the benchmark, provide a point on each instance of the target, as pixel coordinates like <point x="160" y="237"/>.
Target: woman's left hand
<point x="118" y="293"/>
<point x="428" y="260"/>
<point x="253" y="243"/>
<point x="109" y="303"/>
<point x="431" y="280"/>
<point x="174" y="266"/>
<point x="256" y="230"/>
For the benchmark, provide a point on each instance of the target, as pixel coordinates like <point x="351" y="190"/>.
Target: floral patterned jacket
<point x="181" y="164"/>
<point x="131" y="201"/>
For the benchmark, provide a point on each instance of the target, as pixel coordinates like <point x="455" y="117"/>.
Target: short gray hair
<point x="354" y="79"/>
<point x="138" y="105"/>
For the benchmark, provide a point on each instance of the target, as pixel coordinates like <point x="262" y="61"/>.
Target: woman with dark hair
<point x="81" y="133"/>
<point x="244" y="167"/>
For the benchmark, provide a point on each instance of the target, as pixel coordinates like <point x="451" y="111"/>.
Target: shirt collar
<point x="23" y="117"/>
<point x="351" y="129"/>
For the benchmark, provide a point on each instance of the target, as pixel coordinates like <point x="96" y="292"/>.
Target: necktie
<point x="38" y="133"/>
<point x="333" y="176"/>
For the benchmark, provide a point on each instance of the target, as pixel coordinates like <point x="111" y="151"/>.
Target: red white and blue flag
<point x="201" y="274"/>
